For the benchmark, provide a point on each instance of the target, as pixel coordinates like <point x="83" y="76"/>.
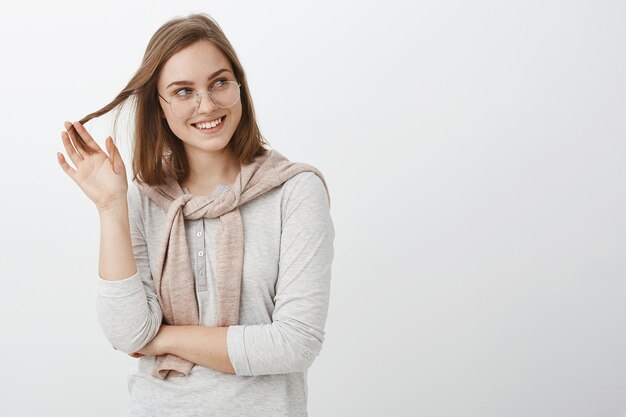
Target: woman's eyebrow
<point x="215" y="74"/>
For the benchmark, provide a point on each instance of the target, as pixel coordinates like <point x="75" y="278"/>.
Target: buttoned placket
<point x="201" y="263"/>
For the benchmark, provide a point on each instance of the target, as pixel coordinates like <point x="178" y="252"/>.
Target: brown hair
<point x="157" y="152"/>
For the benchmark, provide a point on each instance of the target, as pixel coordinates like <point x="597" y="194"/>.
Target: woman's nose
<point x="206" y="103"/>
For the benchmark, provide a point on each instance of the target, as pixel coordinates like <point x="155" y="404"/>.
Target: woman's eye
<point x="183" y="92"/>
<point x="219" y="83"/>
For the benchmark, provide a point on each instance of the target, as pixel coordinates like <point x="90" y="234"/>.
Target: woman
<point x="215" y="264"/>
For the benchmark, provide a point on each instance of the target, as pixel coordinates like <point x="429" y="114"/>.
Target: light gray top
<point x="288" y="252"/>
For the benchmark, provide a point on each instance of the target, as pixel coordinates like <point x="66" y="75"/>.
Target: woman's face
<point x="196" y="69"/>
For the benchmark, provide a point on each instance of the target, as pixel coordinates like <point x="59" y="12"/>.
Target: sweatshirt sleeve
<point x="128" y="310"/>
<point x="294" y="338"/>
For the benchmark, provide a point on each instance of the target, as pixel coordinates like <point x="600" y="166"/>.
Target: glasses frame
<point x="199" y="99"/>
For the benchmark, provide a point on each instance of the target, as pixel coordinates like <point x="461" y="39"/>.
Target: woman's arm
<point x="205" y="346"/>
<point x="127" y="308"/>
<point x="116" y="254"/>
<point x="294" y="338"/>
<point x="202" y="345"/>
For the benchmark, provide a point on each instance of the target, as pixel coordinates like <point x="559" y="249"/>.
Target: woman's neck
<point x="208" y="170"/>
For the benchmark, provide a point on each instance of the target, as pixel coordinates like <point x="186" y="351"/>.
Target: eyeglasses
<point x="186" y="103"/>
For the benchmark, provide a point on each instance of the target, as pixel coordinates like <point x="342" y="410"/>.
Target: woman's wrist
<point x="114" y="207"/>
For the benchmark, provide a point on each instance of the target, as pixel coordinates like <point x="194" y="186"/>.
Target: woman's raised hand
<point x="102" y="177"/>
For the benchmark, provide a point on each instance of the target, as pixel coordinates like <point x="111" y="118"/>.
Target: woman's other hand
<point x="102" y="177"/>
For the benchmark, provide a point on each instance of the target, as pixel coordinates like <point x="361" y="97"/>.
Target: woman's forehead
<point x="195" y="62"/>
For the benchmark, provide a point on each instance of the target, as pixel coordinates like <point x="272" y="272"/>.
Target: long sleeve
<point x="294" y="338"/>
<point x="128" y="310"/>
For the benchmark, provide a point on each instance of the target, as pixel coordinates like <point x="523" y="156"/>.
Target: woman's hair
<point x="157" y="152"/>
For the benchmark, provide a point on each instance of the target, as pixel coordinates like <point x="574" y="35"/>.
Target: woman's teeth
<point x="209" y="125"/>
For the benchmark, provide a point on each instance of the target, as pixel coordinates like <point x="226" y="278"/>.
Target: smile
<point x="209" y="126"/>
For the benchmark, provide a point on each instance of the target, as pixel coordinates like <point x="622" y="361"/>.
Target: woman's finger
<point x="108" y="142"/>
<point x="71" y="134"/>
<point x="118" y="161"/>
<point x="69" y="149"/>
<point x="116" y="157"/>
<point x="66" y="167"/>
<point x="86" y="137"/>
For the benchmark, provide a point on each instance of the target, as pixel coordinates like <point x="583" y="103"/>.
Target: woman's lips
<point x="212" y="129"/>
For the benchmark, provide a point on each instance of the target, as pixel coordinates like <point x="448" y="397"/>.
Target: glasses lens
<point x="184" y="106"/>
<point x="225" y="94"/>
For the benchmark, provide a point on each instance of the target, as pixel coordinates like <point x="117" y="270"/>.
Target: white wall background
<point x="475" y="154"/>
